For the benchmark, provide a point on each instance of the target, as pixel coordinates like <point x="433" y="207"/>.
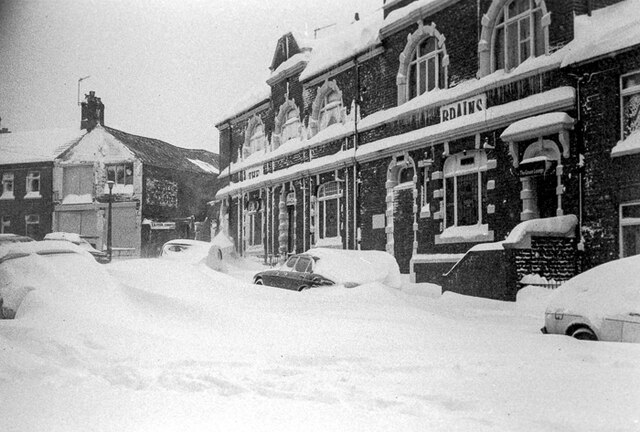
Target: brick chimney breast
<point x="92" y="111"/>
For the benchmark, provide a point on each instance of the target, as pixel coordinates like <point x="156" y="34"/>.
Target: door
<point x="546" y="195"/>
<point x="403" y="227"/>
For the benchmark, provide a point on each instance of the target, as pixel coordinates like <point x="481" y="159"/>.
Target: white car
<point x="74" y="238"/>
<point x="54" y="266"/>
<point x="600" y="304"/>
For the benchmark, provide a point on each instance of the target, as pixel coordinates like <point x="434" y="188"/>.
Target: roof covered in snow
<point x="37" y="146"/>
<point x="161" y="154"/>
<point x="607" y="30"/>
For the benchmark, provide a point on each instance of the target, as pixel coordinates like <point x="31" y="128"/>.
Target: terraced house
<point x="482" y="139"/>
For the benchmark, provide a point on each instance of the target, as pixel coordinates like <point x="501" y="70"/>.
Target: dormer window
<point x="291" y="126"/>
<point x="255" y="139"/>
<point x="426" y="70"/>
<point x="330" y="110"/>
<point x="327" y="108"/>
<point x="518" y="34"/>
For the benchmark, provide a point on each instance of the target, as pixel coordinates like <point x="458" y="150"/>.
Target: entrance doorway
<point x="291" y="239"/>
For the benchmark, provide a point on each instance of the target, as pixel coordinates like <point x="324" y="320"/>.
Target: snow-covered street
<point x="182" y="347"/>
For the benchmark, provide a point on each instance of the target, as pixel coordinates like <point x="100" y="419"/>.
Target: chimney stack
<point x="92" y="112"/>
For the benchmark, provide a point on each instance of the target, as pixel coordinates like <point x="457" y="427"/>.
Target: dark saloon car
<point x="296" y="274"/>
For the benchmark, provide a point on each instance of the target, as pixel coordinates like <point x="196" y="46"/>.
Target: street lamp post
<point x="110" y="184"/>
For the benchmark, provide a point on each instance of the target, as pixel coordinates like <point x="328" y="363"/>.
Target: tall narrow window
<point x="629" y="229"/>
<point x="329" y="210"/>
<point x="33" y="184"/>
<point x="5" y="225"/>
<point x="426" y="69"/>
<point x="254" y="223"/>
<point x="630" y="101"/>
<point x="32" y="225"/>
<point x="7" y="186"/>
<point x="464" y="191"/>
<point x="518" y="34"/>
<point x="291" y="126"/>
<point x="255" y="138"/>
<point x="330" y="109"/>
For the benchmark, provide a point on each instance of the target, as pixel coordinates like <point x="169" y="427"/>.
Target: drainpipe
<point x="356" y="139"/>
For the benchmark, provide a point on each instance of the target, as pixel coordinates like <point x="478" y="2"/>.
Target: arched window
<point x="291" y="126"/>
<point x="424" y="63"/>
<point x="406" y="175"/>
<point x="518" y="34"/>
<point x="255" y="139"/>
<point x="327" y="108"/>
<point x="330" y="109"/>
<point x="426" y="69"/>
<point x="464" y="192"/>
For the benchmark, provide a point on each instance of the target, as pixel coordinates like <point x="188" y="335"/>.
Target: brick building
<point x="160" y="191"/>
<point x="26" y="171"/>
<point x="435" y="130"/>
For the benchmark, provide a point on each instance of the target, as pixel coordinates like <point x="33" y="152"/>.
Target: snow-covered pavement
<point x="182" y="347"/>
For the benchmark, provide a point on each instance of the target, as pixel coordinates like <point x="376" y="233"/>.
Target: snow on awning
<point x="559" y="226"/>
<point x="534" y="127"/>
<point x="628" y="146"/>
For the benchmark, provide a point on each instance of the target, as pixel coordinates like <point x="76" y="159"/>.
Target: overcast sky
<point x="164" y="69"/>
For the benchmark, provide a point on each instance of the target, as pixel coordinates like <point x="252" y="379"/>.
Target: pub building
<point x="449" y="133"/>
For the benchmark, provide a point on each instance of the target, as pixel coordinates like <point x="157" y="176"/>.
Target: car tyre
<point x="584" y="333"/>
<point x="258" y="281"/>
<point x="302" y="288"/>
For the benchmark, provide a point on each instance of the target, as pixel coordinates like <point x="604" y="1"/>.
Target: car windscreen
<point x="303" y="265"/>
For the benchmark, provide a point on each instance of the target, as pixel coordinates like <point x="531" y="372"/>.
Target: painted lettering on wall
<point x="463" y="108"/>
<point x="253" y="174"/>
<point x="162" y="192"/>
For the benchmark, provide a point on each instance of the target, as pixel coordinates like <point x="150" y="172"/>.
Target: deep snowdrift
<point x="181" y="347"/>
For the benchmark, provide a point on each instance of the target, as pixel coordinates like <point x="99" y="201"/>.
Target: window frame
<point x="626" y="222"/>
<point x="322" y="201"/>
<point x="32" y="176"/>
<point x="536" y="34"/>
<point x="418" y="59"/>
<point x="456" y="172"/>
<point x="28" y="223"/>
<point x="8" y="193"/>
<point x="626" y="92"/>
<point x="5" y="224"/>
<point x="254" y="221"/>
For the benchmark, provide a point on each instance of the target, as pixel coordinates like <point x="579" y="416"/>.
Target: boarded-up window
<point x="78" y="180"/>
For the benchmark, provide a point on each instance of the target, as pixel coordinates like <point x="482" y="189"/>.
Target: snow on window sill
<point x="465" y="234"/>
<point x="7" y="196"/>
<point x="32" y="195"/>
<point x="425" y="212"/>
<point x="119" y="189"/>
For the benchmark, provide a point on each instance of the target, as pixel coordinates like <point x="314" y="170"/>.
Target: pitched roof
<point x="161" y="154"/>
<point x="37" y="146"/>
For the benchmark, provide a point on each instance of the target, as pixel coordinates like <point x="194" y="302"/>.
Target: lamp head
<point x="110" y="183"/>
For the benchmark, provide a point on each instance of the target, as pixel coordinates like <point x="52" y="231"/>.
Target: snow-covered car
<point x="185" y="250"/>
<point x="322" y="267"/>
<point x="43" y="265"/>
<point x="14" y="238"/>
<point x="600" y="304"/>
<point x="76" y="239"/>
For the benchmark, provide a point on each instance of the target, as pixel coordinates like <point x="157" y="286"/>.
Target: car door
<point x="302" y="273"/>
<point x="631" y="327"/>
<point x="286" y="274"/>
